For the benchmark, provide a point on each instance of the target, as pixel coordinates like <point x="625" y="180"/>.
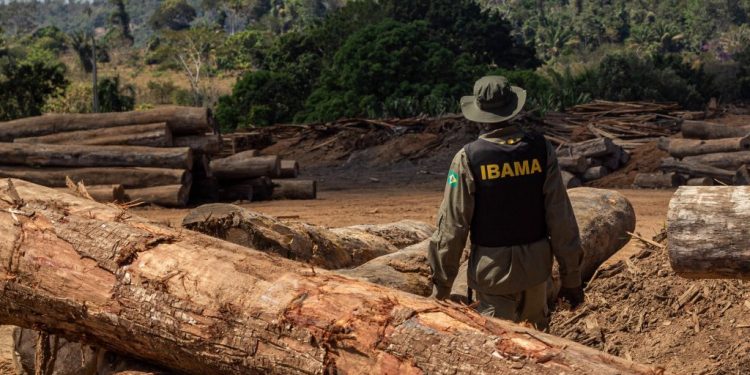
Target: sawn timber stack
<point x="199" y="305"/>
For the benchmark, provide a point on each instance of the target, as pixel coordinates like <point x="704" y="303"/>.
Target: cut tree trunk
<point x="708" y="130"/>
<point x="595" y="173"/>
<point x="700" y="181"/>
<point x="289" y="169"/>
<point x="103" y="193"/>
<point x="307" y="243"/>
<point x="152" y="135"/>
<point x="127" y="177"/>
<point x="707" y="232"/>
<point x="592" y="148"/>
<point x="209" y="144"/>
<point x="724" y="160"/>
<point x="679" y="148"/>
<point x="198" y="305"/>
<point x="94" y="156"/>
<point x="401" y="233"/>
<point x="181" y="121"/>
<point x="697" y="170"/>
<point x="570" y="180"/>
<point x="244" y="166"/>
<point x="658" y="180"/>
<point x="261" y="189"/>
<point x="604" y="219"/>
<point x="165" y="196"/>
<point x="574" y="164"/>
<point x="295" y="189"/>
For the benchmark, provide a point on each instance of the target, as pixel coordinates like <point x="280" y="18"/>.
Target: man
<point x="505" y="189"/>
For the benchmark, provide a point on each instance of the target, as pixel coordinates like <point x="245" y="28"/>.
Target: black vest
<point x="509" y="198"/>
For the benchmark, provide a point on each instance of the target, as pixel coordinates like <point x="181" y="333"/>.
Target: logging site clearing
<point x="170" y="248"/>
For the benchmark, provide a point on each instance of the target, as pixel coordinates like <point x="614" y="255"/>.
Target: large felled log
<point x="153" y="135"/>
<point x="708" y="130"/>
<point x="181" y="120"/>
<point x="209" y="144"/>
<point x="204" y="306"/>
<point x="700" y="181"/>
<point x="127" y="177"/>
<point x="95" y="156"/>
<point x="596" y="147"/>
<point x="595" y="173"/>
<point x="288" y="169"/>
<point x="658" y="180"/>
<point x="724" y="160"/>
<point x="307" y="243"/>
<point x="165" y="196"/>
<point x="574" y="164"/>
<point x="707" y="232"/>
<point x="103" y="193"/>
<point x="680" y="148"/>
<point x="604" y="219"/>
<point x="401" y="233"/>
<point x="697" y="170"/>
<point x="570" y="180"/>
<point x="245" y="165"/>
<point x="295" y="189"/>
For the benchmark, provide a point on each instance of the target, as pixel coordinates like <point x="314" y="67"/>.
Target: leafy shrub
<point x="258" y="98"/>
<point x="76" y="98"/>
<point x="113" y="97"/>
<point x="26" y="85"/>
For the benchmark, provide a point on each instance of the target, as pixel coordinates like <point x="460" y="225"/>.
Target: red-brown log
<point x="165" y="196"/>
<point x="151" y="135"/>
<point x="181" y="121"/>
<point x="78" y="156"/>
<point x="709" y="130"/>
<point x="245" y="165"/>
<point x="680" y="148"/>
<point x="295" y="189"/>
<point x="128" y="177"/>
<point x="199" y="305"/>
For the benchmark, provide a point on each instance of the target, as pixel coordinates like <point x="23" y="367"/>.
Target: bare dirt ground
<point x="373" y="205"/>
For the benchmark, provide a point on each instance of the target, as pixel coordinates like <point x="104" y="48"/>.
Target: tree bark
<point x="708" y="130"/>
<point x="401" y="233"/>
<point x="311" y="244"/>
<point x="288" y="169"/>
<point x="604" y="219"/>
<point x="181" y="121"/>
<point x="295" y="189"/>
<point x="724" y="160"/>
<point x="697" y="170"/>
<point x="570" y="180"/>
<point x="244" y="166"/>
<point x="680" y="148"/>
<point x="592" y="148"/>
<point x="658" y="180"/>
<point x="127" y="177"/>
<point x="700" y="181"/>
<point x="573" y="164"/>
<point x="201" y="144"/>
<point x="165" y="196"/>
<point x="103" y="193"/>
<point x="151" y="135"/>
<point x="95" y="156"/>
<point x="200" y="305"/>
<point x="595" y="173"/>
<point x="707" y="232"/>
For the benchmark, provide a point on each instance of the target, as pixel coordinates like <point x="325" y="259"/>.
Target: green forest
<point x="261" y="62"/>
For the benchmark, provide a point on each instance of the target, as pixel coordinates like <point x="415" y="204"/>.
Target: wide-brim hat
<point x="495" y="100"/>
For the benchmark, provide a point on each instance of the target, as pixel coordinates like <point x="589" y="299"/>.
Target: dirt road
<point x="374" y="206"/>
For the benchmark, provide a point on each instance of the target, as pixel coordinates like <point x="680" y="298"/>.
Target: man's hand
<point x="574" y="296"/>
<point x="440" y="293"/>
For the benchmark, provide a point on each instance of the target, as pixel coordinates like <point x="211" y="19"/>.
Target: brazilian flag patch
<point x="452" y="179"/>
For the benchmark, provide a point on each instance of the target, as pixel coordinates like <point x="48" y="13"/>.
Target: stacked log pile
<point x="162" y="156"/>
<point x="707" y="154"/>
<point x="595" y="139"/>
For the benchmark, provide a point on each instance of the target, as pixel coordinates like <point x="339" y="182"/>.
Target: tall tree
<point x="121" y="19"/>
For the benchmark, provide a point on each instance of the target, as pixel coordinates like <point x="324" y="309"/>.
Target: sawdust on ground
<point x="638" y="308"/>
